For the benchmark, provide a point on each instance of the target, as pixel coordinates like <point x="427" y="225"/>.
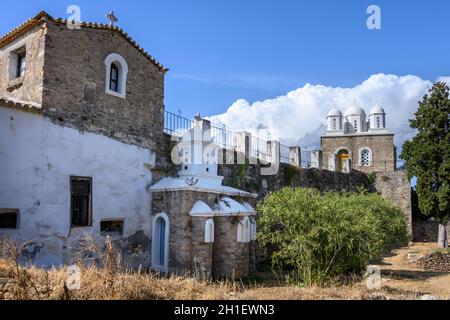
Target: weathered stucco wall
<point x="74" y="86"/>
<point x="28" y="88"/>
<point x="37" y="159"/>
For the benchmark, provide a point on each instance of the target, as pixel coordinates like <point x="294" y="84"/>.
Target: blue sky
<point x="219" y="51"/>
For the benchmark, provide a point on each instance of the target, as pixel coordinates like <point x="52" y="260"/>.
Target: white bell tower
<point x="334" y="121"/>
<point x="377" y="118"/>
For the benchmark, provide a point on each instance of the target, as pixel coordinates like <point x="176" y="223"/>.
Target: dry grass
<point x="109" y="280"/>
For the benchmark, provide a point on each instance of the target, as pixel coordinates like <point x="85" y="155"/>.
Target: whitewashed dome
<point x="355" y="110"/>
<point x="334" y="113"/>
<point x="377" y="110"/>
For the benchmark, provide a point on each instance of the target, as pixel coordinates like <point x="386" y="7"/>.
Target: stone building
<point x="212" y="226"/>
<point x="355" y="142"/>
<point x="81" y="121"/>
<point x="81" y="111"/>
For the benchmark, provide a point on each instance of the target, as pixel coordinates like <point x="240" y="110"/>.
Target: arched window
<point x="334" y="124"/>
<point x="243" y="230"/>
<point x="365" y="157"/>
<point x="116" y="75"/>
<point x="252" y="230"/>
<point x="114" y="78"/>
<point x="209" y="231"/>
<point x="160" y="242"/>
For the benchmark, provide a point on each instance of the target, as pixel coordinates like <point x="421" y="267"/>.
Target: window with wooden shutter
<point x="81" y="201"/>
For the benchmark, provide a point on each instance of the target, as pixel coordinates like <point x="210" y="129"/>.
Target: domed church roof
<point x="354" y="110"/>
<point x="377" y="110"/>
<point x="334" y="113"/>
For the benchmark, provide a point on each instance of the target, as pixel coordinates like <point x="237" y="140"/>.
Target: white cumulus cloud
<point x="300" y="115"/>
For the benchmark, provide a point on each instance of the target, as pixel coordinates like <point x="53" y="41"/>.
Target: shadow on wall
<point x="427" y="231"/>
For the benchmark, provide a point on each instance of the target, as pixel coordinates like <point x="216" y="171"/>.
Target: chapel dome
<point x="355" y="110"/>
<point x="377" y="110"/>
<point x="334" y="113"/>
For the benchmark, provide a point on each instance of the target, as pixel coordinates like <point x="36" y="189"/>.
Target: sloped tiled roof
<point x="19" y="105"/>
<point x="43" y="16"/>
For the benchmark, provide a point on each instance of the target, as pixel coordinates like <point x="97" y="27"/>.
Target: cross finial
<point x="112" y="18"/>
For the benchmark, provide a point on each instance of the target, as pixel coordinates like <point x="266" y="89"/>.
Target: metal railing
<point x="306" y="159"/>
<point x="224" y="138"/>
<point x="227" y="139"/>
<point x="175" y="124"/>
<point x="285" y="154"/>
<point x="375" y="166"/>
<point x="260" y="149"/>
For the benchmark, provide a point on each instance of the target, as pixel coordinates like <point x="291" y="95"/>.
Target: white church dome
<point x="355" y="110"/>
<point x="334" y="113"/>
<point x="377" y="110"/>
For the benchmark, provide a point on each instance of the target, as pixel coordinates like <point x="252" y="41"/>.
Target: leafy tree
<point x="427" y="156"/>
<point x="316" y="238"/>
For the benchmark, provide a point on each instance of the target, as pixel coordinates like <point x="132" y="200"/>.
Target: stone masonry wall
<point x="183" y="246"/>
<point x="74" y="86"/>
<point x="382" y="146"/>
<point x="249" y="178"/>
<point x="202" y="251"/>
<point x="28" y="88"/>
<point x="231" y="258"/>
<point x="187" y="250"/>
<point x="396" y="187"/>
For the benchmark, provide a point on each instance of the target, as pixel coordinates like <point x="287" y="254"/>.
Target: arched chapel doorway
<point x="343" y="161"/>
<point x="160" y="242"/>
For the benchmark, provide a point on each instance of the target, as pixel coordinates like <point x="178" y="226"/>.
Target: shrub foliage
<point x="316" y="238"/>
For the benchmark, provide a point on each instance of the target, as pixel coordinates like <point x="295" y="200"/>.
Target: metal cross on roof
<point x="112" y="18"/>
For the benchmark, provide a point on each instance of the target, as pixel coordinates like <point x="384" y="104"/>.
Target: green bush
<point x="316" y="238"/>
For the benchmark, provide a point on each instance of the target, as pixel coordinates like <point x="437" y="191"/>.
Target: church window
<point x="253" y="231"/>
<point x="114" y="78"/>
<point x="378" y="123"/>
<point x="356" y="125"/>
<point x="366" y="157"/>
<point x="334" y="124"/>
<point x="209" y="231"/>
<point x="243" y="230"/>
<point x="116" y="75"/>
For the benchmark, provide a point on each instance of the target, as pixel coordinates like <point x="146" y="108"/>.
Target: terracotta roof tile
<point x="43" y="16"/>
<point x="19" y="105"/>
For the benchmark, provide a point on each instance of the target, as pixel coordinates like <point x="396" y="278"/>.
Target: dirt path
<point x="399" y="271"/>
<point x="401" y="278"/>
